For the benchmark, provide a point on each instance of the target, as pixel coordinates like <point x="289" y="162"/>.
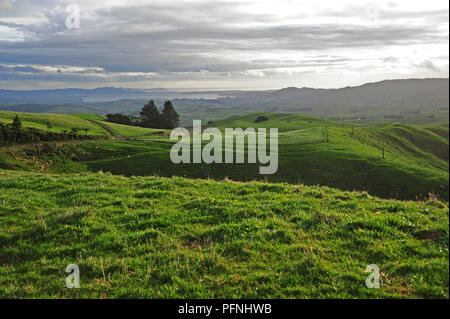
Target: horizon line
<point x="196" y="90"/>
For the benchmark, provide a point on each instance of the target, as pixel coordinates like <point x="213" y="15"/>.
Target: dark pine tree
<point x="150" y="115"/>
<point x="170" y="117"/>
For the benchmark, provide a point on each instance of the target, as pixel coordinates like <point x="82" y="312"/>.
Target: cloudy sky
<point x="220" y="44"/>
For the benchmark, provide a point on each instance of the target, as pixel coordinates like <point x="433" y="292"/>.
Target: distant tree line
<point x="393" y="116"/>
<point x="16" y="133"/>
<point x="150" y="117"/>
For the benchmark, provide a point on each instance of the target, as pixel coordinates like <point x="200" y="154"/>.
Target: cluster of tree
<point x="16" y="133"/>
<point x="151" y="117"/>
<point x="118" y="118"/>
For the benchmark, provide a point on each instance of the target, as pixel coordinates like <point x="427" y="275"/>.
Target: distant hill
<point x="404" y="93"/>
<point x="62" y="96"/>
<point x="409" y="101"/>
<point x="390" y="97"/>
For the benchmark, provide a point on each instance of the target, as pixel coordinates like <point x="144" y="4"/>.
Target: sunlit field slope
<point x="58" y="122"/>
<point x="132" y="131"/>
<point x="95" y="124"/>
<point x="159" y="237"/>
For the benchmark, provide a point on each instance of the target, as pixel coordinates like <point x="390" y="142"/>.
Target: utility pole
<point x="383" y="148"/>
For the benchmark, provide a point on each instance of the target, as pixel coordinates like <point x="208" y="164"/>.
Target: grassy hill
<point x="193" y="237"/>
<point x="156" y="237"/>
<point x="90" y="116"/>
<point x="96" y="124"/>
<point x="59" y="122"/>
<point x="415" y="163"/>
<point x="416" y="156"/>
<point x="284" y="122"/>
<point x="128" y="131"/>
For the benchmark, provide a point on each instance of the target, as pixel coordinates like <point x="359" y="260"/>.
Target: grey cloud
<point x="181" y="41"/>
<point x="6" y="7"/>
<point x="390" y="59"/>
<point x="430" y="66"/>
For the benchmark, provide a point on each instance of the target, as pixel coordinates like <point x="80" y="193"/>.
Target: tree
<point x="169" y="117"/>
<point x="49" y="126"/>
<point x="150" y="115"/>
<point x="16" y="123"/>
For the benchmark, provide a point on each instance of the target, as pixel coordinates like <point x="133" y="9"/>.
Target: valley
<point x="415" y="163"/>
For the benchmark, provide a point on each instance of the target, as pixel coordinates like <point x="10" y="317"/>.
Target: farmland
<point x="140" y="226"/>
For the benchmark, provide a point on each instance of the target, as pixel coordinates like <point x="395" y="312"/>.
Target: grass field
<point x="415" y="163"/>
<point x="128" y="131"/>
<point x="63" y="122"/>
<point x="59" y="122"/>
<point x="200" y="234"/>
<point x="284" y="122"/>
<point x="90" y="116"/>
<point x="158" y="237"/>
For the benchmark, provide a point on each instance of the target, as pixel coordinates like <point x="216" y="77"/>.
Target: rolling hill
<point x="415" y="163"/>
<point x="95" y="124"/>
<point x="198" y="234"/>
